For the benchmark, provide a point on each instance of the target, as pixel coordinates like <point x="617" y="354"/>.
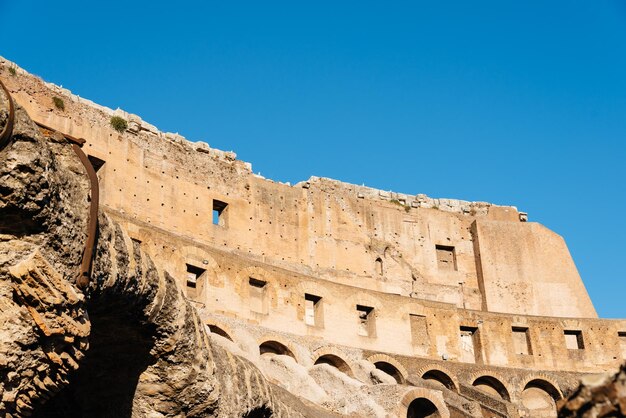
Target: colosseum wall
<point x="469" y="297"/>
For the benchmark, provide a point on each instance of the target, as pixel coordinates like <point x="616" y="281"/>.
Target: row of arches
<point x="538" y="394"/>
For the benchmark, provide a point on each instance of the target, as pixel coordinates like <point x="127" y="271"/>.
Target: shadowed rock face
<point x="130" y="345"/>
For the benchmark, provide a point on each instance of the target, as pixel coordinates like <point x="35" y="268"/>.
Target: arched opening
<point x="336" y="362"/>
<point x="540" y="397"/>
<point x="440" y="378"/>
<point x="492" y="386"/>
<point x="274" y="347"/>
<point x="391" y="370"/>
<point x="219" y="331"/>
<point x="379" y="266"/>
<point x="422" y="408"/>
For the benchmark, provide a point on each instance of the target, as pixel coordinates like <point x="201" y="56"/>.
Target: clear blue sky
<point x="512" y="102"/>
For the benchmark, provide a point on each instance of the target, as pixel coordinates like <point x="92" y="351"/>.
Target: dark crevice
<point x="260" y="412"/>
<point x="105" y="384"/>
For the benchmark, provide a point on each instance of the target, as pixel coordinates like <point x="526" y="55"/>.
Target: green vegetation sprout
<point x="118" y="123"/>
<point x="12" y="71"/>
<point x="58" y="103"/>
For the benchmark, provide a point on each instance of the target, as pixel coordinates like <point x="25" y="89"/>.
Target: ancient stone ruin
<point x="148" y="276"/>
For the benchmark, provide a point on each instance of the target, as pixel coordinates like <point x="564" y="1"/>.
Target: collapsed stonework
<point x="215" y="292"/>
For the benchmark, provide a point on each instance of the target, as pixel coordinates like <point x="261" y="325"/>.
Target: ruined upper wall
<point x="471" y="254"/>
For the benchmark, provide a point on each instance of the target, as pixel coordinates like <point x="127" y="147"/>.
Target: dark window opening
<point x="366" y="320"/>
<point x="193" y="274"/>
<point x="219" y="212"/>
<point x="313" y="310"/>
<point x="258" y="296"/>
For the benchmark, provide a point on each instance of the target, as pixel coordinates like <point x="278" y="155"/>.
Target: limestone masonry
<point x="217" y="292"/>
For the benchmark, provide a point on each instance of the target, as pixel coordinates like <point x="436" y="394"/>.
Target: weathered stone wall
<point x="224" y="289"/>
<point x="150" y="354"/>
<point x="467" y="296"/>
<point x="321" y="227"/>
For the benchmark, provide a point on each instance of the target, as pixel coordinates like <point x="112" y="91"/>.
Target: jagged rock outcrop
<point x="597" y="398"/>
<point x="130" y="344"/>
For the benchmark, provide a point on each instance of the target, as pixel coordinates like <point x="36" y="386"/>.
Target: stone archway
<point x="337" y="362"/>
<point x="540" y="397"/>
<point x="440" y="377"/>
<point x="422" y="408"/>
<point x="274" y="347"/>
<point x="422" y="403"/>
<point x="492" y="386"/>
<point x="390" y="366"/>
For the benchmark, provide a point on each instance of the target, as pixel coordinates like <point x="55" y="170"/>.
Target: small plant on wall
<point x="118" y="123"/>
<point x="58" y="103"/>
<point x="12" y="71"/>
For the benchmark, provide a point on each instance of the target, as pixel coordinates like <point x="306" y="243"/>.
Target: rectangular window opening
<point x="219" y="212"/>
<point x="193" y="274"/>
<point x="258" y="296"/>
<point x="574" y="340"/>
<point x="470" y="345"/>
<point x="521" y="341"/>
<point x="446" y="258"/>
<point x="366" y="321"/>
<point x="313" y="310"/>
